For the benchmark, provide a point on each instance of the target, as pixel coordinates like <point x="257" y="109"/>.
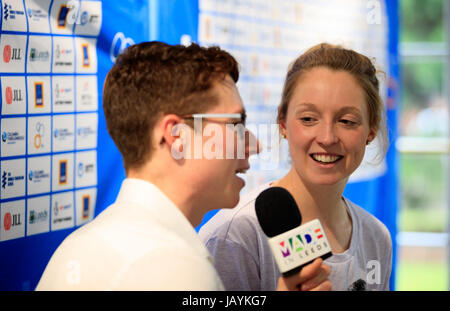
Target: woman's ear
<point x="282" y="126"/>
<point x="371" y="136"/>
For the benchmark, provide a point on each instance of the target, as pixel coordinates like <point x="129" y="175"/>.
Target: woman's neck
<point x="323" y="202"/>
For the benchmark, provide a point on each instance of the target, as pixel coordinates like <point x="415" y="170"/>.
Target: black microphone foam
<point x="277" y="211"/>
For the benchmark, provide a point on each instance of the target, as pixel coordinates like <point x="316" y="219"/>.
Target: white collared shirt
<point x="141" y="242"/>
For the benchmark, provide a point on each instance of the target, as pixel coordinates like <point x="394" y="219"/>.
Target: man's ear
<point x="167" y="132"/>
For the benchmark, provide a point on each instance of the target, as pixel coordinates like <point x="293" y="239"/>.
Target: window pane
<point x="422" y="20"/>
<point x="423" y="186"/>
<point x="424" y="104"/>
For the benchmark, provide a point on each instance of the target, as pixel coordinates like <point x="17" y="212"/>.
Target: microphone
<point x="293" y="245"/>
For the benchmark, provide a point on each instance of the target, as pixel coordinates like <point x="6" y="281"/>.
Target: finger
<point x="311" y="270"/>
<point x="293" y="282"/>
<point x="325" y="286"/>
<point x="321" y="277"/>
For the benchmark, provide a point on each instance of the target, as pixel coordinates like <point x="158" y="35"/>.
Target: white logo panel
<point x="13" y="136"/>
<point x="13" y="95"/>
<point x="37" y="12"/>
<point x="62" y="211"/>
<point x="39" y="54"/>
<point x="38" y="215"/>
<point x="63" y="55"/>
<point x="62" y="175"/>
<point x="86" y="169"/>
<point x="13" y="178"/>
<point x="87" y="95"/>
<point x="63" y="93"/>
<point x="39" y="94"/>
<point x="14" y="17"/>
<point x="87" y="124"/>
<point x="62" y="17"/>
<point x="85" y="205"/>
<point x="38" y="175"/>
<point x="89" y="18"/>
<point x="63" y="133"/>
<point x="13" y="220"/>
<point x="86" y="53"/>
<point x="12" y="49"/>
<point x="39" y="135"/>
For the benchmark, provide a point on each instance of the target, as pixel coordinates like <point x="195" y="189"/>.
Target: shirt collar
<point x="163" y="210"/>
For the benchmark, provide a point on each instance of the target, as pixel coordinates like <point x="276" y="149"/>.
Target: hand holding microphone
<point x="299" y="250"/>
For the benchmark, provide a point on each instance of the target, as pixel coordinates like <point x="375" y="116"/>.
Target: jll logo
<point x="11" y="54"/>
<point x="12" y="95"/>
<point x="11" y="221"/>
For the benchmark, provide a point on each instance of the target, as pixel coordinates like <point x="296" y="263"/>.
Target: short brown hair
<point x="338" y="58"/>
<point x="152" y="79"/>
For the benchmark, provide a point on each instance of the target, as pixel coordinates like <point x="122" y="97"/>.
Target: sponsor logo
<point x="12" y="138"/>
<point x="63" y="53"/>
<point x="118" y="45"/>
<point x="10" y="221"/>
<point x="62" y="15"/>
<point x="85" y="207"/>
<point x="40" y="130"/>
<point x="13" y="95"/>
<point x="9" y="13"/>
<point x="7" y="221"/>
<point x="38" y="56"/>
<point x="62" y="133"/>
<point x="60" y="92"/>
<point x="37" y="217"/>
<point x="38" y="94"/>
<point x="85" y="53"/>
<point x="86" y="18"/>
<point x="37" y="175"/>
<point x="62" y="180"/>
<point x="36" y="14"/>
<point x="59" y="208"/>
<point x="9" y="180"/>
<point x="303" y="244"/>
<point x="11" y="54"/>
<point x="85" y="169"/>
<point x="84" y="132"/>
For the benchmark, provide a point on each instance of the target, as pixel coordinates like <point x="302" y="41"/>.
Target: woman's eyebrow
<point x="350" y="109"/>
<point x="305" y="106"/>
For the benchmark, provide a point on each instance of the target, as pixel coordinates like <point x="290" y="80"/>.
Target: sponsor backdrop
<point x="60" y="168"/>
<point x="56" y="156"/>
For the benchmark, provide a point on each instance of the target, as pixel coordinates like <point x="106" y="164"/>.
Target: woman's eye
<point x="348" y="122"/>
<point x="307" y="120"/>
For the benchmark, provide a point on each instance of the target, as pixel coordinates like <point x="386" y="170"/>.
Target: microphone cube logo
<point x="297" y="244"/>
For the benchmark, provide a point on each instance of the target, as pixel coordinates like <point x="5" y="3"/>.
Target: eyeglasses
<point x="241" y="117"/>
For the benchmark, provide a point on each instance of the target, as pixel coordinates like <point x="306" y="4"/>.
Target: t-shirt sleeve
<point x="237" y="267"/>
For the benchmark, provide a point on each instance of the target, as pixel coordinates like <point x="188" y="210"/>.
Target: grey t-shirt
<point x="244" y="260"/>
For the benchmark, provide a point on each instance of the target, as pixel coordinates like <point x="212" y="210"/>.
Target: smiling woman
<point x="330" y="111"/>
